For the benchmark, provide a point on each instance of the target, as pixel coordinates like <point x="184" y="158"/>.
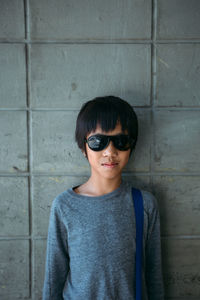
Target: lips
<point x="110" y="164"/>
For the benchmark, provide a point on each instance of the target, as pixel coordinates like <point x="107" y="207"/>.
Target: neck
<point x="103" y="186"/>
<point x="99" y="186"/>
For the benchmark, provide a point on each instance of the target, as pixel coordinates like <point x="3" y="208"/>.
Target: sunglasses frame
<point x="113" y="139"/>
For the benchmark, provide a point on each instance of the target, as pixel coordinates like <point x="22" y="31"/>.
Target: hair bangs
<point x="106" y="118"/>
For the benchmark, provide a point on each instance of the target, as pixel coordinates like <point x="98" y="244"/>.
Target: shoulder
<point x="60" y="202"/>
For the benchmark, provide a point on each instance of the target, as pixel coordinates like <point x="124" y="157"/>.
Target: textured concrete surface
<point x="178" y="198"/>
<point x="14" y="264"/>
<point x="39" y="247"/>
<point x="178" y="75"/>
<point x="122" y="70"/>
<point x="13" y="146"/>
<point x="181" y="268"/>
<point x="90" y="19"/>
<point x="177" y="141"/>
<point x="54" y="148"/>
<point x="54" y="56"/>
<point x="178" y="19"/>
<point x="14" y="213"/>
<point x="140" y="157"/>
<point x="12" y="19"/>
<point x="12" y="62"/>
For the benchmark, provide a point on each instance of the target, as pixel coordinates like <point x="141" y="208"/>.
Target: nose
<point x="110" y="150"/>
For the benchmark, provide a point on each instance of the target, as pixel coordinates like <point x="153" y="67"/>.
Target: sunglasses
<point x="99" y="142"/>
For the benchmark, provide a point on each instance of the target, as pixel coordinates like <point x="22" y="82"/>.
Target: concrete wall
<point x="57" y="54"/>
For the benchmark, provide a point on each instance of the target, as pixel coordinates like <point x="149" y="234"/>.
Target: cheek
<point x="92" y="156"/>
<point x="125" y="157"/>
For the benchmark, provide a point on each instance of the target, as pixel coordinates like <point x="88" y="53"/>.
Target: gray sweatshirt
<point x="91" y="247"/>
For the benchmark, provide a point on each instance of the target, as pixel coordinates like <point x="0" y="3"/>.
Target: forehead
<point x="116" y="130"/>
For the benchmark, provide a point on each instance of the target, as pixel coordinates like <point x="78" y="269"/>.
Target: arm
<point x="154" y="278"/>
<point x="57" y="260"/>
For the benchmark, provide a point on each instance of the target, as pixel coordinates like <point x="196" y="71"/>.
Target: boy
<point x="91" y="239"/>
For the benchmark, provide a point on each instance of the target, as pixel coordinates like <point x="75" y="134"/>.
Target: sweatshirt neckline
<point x="102" y="197"/>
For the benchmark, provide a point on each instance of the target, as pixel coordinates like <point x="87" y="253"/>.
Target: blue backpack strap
<point x="139" y="220"/>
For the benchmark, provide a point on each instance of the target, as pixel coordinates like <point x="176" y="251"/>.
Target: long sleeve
<point x="57" y="260"/>
<point x="154" y="279"/>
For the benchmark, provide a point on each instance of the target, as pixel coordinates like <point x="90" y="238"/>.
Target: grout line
<point x="147" y="108"/>
<point x="97" y="41"/>
<point x="75" y="41"/>
<point x="25" y="20"/>
<point x="29" y="192"/>
<point x="27" y="24"/>
<point x="29" y="131"/>
<point x="153" y="88"/>
<point x="180" y="237"/>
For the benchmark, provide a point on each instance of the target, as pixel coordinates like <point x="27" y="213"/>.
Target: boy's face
<point x="109" y="162"/>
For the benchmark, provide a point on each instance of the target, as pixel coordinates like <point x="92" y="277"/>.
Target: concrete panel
<point x="45" y="190"/>
<point x="13" y="137"/>
<point x="140" y="158"/>
<point x="14" y="265"/>
<point x="54" y="147"/>
<point x="69" y="75"/>
<point x="178" y="70"/>
<point x="178" y="198"/>
<point x="177" y="141"/>
<point x="181" y="268"/>
<point x="90" y="19"/>
<point x="12" y="19"/>
<point x="178" y="19"/>
<point x="12" y="76"/>
<point x="14" y="214"/>
<point x="39" y="247"/>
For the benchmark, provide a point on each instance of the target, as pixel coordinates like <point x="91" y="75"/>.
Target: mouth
<point x="110" y="165"/>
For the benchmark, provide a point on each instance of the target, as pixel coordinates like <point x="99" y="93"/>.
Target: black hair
<point x="105" y="111"/>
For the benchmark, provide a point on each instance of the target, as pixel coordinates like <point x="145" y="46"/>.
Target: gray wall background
<point x="57" y="54"/>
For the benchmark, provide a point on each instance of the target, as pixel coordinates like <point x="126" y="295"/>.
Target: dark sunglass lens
<point x="122" y="142"/>
<point x="97" y="142"/>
